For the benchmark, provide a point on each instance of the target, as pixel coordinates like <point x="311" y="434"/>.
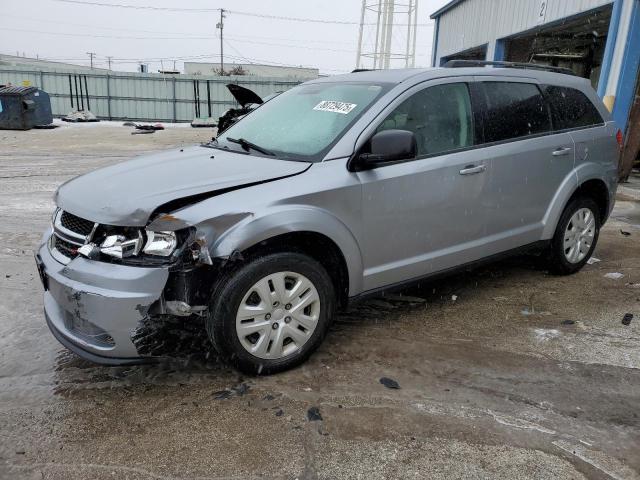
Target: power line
<point x="235" y="12"/>
<point x="210" y="37"/>
<point x="185" y="35"/>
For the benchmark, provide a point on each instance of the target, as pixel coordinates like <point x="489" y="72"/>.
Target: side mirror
<point x="389" y="146"/>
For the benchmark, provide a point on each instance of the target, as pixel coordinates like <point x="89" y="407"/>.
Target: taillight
<point x="620" y="139"/>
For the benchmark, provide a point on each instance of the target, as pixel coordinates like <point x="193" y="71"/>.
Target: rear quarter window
<point x="571" y="108"/>
<point x="514" y="110"/>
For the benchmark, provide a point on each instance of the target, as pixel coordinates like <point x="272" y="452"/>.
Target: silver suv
<point x="339" y="188"/>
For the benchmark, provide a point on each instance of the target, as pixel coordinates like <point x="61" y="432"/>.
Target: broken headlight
<point x="121" y="247"/>
<point x="162" y="244"/>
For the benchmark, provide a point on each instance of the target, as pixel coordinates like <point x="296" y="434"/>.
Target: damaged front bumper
<point x="94" y="308"/>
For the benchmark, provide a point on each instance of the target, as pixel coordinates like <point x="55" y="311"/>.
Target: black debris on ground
<point x="313" y="414"/>
<point x="222" y="394"/>
<point x="239" y="391"/>
<point x="389" y="383"/>
<point x="568" y="322"/>
<point x="625" y="233"/>
<point x="626" y="320"/>
<point x="268" y="397"/>
<point x="279" y="412"/>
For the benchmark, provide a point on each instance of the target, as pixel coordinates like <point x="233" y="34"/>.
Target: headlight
<point x="120" y="247"/>
<point x="161" y="244"/>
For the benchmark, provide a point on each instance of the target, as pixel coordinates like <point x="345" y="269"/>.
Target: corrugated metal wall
<point x="138" y="96"/>
<point x="477" y="22"/>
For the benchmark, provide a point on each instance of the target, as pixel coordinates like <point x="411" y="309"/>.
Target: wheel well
<point x="598" y="191"/>
<point x="316" y="245"/>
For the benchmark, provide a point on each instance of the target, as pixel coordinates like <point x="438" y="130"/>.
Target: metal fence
<point x="139" y="96"/>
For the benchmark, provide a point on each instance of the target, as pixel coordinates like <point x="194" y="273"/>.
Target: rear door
<point x="529" y="160"/>
<point x="574" y="113"/>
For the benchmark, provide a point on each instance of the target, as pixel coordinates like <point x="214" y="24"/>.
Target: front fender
<point x="253" y="230"/>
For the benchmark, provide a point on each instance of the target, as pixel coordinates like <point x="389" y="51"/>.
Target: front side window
<point x="304" y="122"/>
<point x="439" y="116"/>
<point x="514" y="110"/>
<point x="571" y="108"/>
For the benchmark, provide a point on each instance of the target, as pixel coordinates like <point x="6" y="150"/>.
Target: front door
<point x="427" y="214"/>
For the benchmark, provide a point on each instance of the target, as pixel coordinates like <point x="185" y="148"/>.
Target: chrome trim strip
<point x="62" y="236"/>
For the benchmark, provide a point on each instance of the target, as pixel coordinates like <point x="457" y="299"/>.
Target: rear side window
<point x="514" y="110"/>
<point x="571" y="108"/>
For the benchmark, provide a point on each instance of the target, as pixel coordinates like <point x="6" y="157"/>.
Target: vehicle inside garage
<point x="577" y="43"/>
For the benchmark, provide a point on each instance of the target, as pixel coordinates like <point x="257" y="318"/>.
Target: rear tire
<point x="272" y="313"/>
<point x="575" y="237"/>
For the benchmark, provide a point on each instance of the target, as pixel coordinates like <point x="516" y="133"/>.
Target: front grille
<point x="67" y="249"/>
<point x="76" y="224"/>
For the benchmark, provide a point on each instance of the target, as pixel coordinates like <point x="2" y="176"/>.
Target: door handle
<point x="561" y="151"/>
<point x="472" y="169"/>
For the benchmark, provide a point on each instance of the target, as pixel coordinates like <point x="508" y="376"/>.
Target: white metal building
<point x="597" y="39"/>
<point x="273" y="71"/>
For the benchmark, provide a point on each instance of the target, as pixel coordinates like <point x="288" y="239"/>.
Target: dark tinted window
<point x="514" y="110"/>
<point x="571" y="108"/>
<point x="440" y="117"/>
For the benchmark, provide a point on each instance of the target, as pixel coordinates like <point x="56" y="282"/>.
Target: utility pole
<point x="109" y="62"/>
<point x="91" y="55"/>
<point x="220" y="25"/>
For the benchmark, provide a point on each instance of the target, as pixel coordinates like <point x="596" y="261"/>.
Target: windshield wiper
<point x="246" y="144"/>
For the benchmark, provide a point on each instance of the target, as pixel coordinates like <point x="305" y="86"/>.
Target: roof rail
<point x="358" y="70"/>
<point x="524" y="66"/>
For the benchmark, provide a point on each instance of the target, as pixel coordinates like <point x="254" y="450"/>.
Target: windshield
<point x="303" y="123"/>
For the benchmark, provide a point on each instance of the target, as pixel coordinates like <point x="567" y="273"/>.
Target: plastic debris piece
<point x="593" y="260"/>
<point x="390" y="383"/>
<point x="568" y="322"/>
<point x="626" y="320"/>
<point x="279" y="412"/>
<point x="404" y="298"/>
<point x="454" y="298"/>
<point x="625" y="233"/>
<point x="314" y="415"/>
<point x="80" y="116"/>
<point x="614" y="275"/>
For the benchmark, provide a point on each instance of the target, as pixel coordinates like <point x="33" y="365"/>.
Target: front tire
<point x="272" y="313"/>
<point x="575" y="237"/>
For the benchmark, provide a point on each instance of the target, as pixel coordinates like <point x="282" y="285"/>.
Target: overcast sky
<point x="65" y="31"/>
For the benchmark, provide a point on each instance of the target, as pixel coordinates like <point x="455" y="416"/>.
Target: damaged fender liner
<point x="93" y="357"/>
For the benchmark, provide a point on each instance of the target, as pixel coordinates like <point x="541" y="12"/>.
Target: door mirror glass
<point x="389" y="146"/>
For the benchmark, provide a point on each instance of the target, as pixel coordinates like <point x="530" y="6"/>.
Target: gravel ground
<point x="504" y="372"/>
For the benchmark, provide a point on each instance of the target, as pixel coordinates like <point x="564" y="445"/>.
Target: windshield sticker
<point x="335" y="107"/>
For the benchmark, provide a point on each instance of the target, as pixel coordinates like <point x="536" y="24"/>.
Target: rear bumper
<point x="94" y="308"/>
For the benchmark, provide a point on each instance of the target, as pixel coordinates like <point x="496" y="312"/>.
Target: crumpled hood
<point x="126" y="194"/>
